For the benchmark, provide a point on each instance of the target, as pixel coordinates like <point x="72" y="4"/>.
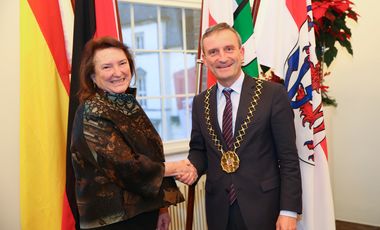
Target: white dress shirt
<point x="235" y="99"/>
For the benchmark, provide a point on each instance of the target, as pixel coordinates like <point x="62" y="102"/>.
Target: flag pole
<point x="199" y="60"/>
<point x="117" y="18"/>
<point x="191" y="188"/>
<point x="255" y="11"/>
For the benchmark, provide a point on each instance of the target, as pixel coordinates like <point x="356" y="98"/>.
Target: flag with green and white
<point x="236" y="13"/>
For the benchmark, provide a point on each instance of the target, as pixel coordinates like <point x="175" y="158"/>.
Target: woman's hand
<point x="183" y="171"/>
<point x="163" y="219"/>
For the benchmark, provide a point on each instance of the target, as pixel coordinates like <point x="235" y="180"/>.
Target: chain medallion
<point x="230" y="160"/>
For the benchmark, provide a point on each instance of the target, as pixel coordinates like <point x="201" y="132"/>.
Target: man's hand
<point x="286" y="223"/>
<point x="183" y="171"/>
<point x="187" y="173"/>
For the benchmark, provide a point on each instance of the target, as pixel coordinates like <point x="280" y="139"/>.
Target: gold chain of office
<point x="230" y="160"/>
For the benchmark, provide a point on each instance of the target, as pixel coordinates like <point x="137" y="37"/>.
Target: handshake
<point x="182" y="170"/>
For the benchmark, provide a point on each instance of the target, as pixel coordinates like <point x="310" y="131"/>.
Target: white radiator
<point x="178" y="213"/>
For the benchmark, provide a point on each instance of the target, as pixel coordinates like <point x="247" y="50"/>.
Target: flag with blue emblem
<point x="285" y="42"/>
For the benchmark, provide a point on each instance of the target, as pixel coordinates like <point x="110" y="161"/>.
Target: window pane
<point x="171" y="21"/>
<point x="125" y="21"/>
<point x="147" y="65"/>
<point x="191" y="73"/>
<point x="192" y="28"/>
<point x="174" y="73"/>
<point x="189" y="123"/>
<point x="154" y="112"/>
<point x="165" y="63"/>
<point x="146" y="26"/>
<point x="176" y="119"/>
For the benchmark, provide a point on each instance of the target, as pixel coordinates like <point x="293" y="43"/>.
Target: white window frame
<point x="177" y="146"/>
<point x="140" y="37"/>
<point x="195" y="4"/>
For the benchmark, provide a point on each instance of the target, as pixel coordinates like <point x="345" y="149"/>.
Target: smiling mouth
<point x="118" y="80"/>
<point x="224" y="66"/>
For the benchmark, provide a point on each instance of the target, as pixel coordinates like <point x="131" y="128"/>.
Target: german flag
<point x="44" y="87"/>
<point x="47" y="192"/>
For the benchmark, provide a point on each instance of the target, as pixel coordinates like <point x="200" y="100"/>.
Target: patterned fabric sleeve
<point x="130" y="170"/>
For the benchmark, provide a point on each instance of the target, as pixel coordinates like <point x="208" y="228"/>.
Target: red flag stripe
<point x="211" y="79"/>
<point x="68" y="221"/>
<point x="106" y="19"/>
<point x="48" y="16"/>
<point x="298" y="11"/>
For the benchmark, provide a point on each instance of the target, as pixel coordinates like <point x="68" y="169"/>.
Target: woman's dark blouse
<point x="118" y="161"/>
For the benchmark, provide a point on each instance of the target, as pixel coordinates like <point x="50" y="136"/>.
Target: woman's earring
<point x="93" y="80"/>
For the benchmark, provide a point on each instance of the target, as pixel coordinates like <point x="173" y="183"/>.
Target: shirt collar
<point x="236" y="86"/>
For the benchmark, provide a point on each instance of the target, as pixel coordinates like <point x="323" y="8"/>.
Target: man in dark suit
<point x="243" y="138"/>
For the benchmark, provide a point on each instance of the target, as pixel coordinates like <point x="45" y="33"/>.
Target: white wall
<point x="9" y="115"/>
<point x="353" y="127"/>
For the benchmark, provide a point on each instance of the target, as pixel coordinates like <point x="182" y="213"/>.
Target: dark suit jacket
<point x="268" y="179"/>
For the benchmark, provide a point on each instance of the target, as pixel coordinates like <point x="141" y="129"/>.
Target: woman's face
<point x="112" y="72"/>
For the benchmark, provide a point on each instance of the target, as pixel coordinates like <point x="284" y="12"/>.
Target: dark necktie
<point x="227" y="135"/>
<point x="227" y="119"/>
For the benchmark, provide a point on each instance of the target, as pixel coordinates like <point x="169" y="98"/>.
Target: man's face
<point x="223" y="56"/>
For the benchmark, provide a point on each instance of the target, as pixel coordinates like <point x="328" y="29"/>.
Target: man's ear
<point x="242" y="53"/>
<point x="204" y="59"/>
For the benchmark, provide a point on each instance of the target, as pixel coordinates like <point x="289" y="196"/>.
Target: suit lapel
<point x="214" y="116"/>
<point x="214" y="112"/>
<point x="246" y="94"/>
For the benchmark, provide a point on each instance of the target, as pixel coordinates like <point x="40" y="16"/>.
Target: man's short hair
<point x="217" y="28"/>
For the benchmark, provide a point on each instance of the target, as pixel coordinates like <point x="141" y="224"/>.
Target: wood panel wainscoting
<point x="344" y="225"/>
